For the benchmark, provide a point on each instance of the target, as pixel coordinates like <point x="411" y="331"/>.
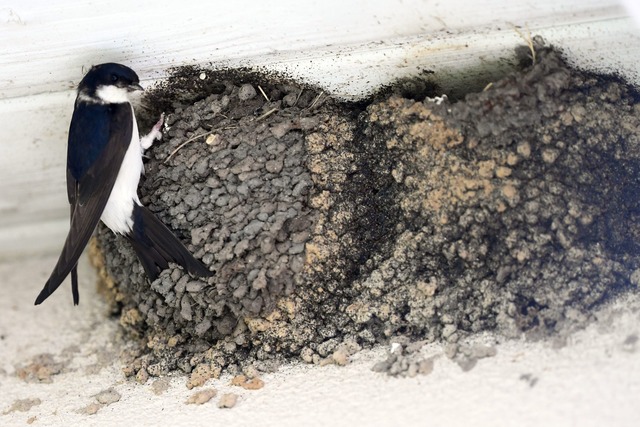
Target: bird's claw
<point x="154" y="135"/>
<point x="158" y="126"/>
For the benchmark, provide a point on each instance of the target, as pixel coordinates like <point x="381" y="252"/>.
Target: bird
<point x="104" y="165"/>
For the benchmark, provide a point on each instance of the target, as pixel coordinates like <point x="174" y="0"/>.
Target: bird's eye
<point x="114" y="78"/>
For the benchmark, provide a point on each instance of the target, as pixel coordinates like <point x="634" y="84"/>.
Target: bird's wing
<point x="99" y="137"/>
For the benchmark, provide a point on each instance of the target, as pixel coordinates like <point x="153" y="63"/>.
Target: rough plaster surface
<point x="333" y="227"/>
<point x="590" y="379"/>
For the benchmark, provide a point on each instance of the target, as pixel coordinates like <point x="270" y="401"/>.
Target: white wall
<point x="348" y="47"/>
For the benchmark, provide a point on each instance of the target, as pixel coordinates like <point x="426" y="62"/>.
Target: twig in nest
<point x="298" y="98"/>
<point x="315" y="101"/>
<point x="528" y="40"/>
<point x="193" y="138"/>
<point x="264" y="94"/>
<point x="267" y="114"/>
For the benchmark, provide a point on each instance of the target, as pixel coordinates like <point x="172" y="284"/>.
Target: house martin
<point x="104" y="164"/>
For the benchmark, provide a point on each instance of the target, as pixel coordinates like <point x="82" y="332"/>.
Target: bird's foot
<point x="155" y="134"/>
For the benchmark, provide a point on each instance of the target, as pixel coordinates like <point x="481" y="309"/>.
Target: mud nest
<point x="334" y="226"/>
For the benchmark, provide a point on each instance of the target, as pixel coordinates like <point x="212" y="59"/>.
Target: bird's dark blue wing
<point x="88" y="136"/>
<point x="99" y="136"/>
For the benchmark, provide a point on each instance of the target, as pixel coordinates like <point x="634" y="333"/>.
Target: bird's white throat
<point x="112" y="94"/>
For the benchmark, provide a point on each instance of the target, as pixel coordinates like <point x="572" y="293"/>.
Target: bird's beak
<point x="134" y="87"/>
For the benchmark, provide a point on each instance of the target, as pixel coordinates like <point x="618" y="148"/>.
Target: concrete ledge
<point x="590" y="380"/>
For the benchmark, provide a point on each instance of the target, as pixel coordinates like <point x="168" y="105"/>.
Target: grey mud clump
<point x="333" y="226"/>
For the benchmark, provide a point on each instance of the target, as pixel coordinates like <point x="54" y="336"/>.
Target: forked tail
<point x="157" y="246"/>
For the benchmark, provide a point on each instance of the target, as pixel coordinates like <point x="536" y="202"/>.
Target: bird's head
<point x="108" y="83"/>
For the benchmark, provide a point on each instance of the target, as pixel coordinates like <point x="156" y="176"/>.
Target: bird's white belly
<point x="117" y="214"/>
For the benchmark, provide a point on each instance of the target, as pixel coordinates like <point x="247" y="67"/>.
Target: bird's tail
<point x="156" y="246"/>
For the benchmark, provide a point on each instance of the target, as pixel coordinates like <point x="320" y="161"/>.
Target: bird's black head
<point x="108" y="83"/>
